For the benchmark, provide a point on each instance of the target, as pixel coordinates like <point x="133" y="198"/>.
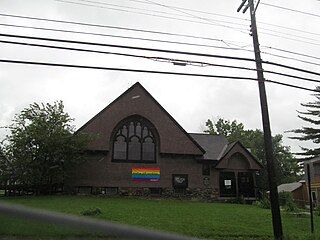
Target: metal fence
<point x="92" y="225"/>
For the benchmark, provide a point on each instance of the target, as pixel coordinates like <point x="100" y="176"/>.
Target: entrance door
<point x="228" y="184"/>
<point x="246" y="184"/>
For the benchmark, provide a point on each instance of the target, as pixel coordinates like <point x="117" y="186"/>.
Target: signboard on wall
<point x="180" y="180"/>
<point x="145" y="174"/>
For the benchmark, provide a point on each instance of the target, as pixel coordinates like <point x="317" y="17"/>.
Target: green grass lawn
<point x="203" y="220"/>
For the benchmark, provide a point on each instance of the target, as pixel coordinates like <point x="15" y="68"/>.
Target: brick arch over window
<point x="134" y="139"/>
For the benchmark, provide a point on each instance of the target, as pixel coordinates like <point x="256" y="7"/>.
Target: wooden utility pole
<point x="274" y="198"/>
<point x="310" y="198"/>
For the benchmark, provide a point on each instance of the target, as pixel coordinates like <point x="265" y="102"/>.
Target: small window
<point x="84" y="190"/>
<point x="111" y="191"/>
<point x="205" y="169"/>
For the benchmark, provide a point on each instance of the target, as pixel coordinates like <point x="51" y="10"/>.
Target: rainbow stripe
<point x="145" y="174"/>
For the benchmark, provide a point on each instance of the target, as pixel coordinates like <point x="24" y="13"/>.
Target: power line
<point x="290" y="9"/>
<point x="293" y="39"/>
<point x="291" y="52"/>
<point x="127" y="29"/>
<point x="192" y="15"/>
<point x="129" y="47"/>
<point x="292" y="36"/>
<point x="236" y="18"/>
<point x="289" y="28"/>
<point x="160" y="50"/>
<point x="162" y="5"/>
<point x="126" y="70"/>
<point x="181" y="62"/>
<point x="207" y="22"/>
<point x="74" y="49"/>
<point x="290" y="58"/>
<point x="290" y="67"/>
<point x="196" y="11"/>
<point x="171" y="42"/>
<point x="292" y="76"/>
<point x="160" y="59"/>
<point x="151" y="71"/>
<point x="117" y="28"/>
<point x="116" y="5"/>
<point x="121" y="36"/>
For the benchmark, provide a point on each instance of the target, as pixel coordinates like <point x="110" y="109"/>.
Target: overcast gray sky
<point x="288" y="33"/>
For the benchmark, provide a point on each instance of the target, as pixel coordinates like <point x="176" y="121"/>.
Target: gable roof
<point x="138" y="101"/>
<point x="237" y="147"/>
<point x="214" y="145"/>
<point x="219" y="150"/>
<point x="289" y="187"/>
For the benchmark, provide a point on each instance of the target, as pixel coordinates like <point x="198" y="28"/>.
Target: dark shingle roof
<point x="214" y="145"/>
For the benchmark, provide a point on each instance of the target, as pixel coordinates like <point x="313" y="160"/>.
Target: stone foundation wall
<point x="195" y="194"/>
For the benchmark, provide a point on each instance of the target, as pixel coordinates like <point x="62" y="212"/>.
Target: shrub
<point x="263" y="203"/>
<point x="317" y="211"/>
<point x="91" y="212"/>
<point x="287" y="202"/>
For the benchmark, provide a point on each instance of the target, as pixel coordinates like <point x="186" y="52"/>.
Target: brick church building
<point x="140" y="149"/>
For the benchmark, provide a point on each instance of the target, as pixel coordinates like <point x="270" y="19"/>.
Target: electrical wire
<point x="120" y="6"/>
<point x="128" y="47"/>
<point x="290" y="67"/>
<point x="292" y="10"/>
<point x="159" y="50"/>
<point x="126" y="69"/>
<point x="134" y="29"/>
<point x="148" y="10"/>
<point x="121" y="36"/>
<point x="290" y="38"/>
<point x="287" y="28"/>
<point x="235" y="18"/>
<point x="166" y="41"/>
<point x="159" y="59"/>
<point x="117" y="28"/>
<point x="291" y="52"/>
<point x="281" y="33"/>
<point x="152" y="71"/>
<point x="195" y="16"/>
<point x="290" y="58"/>
<point x="181" y="62"/>
<point x="75" y="49"/>
<point x="207" y="22"/>
<point x="174" y="42"/>
<point x="194" y="10"/>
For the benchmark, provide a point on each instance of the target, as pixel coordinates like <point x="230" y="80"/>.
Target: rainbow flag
<point x="146" y="174"/>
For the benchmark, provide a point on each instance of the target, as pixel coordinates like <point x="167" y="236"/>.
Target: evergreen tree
<point x="312" y="132"/>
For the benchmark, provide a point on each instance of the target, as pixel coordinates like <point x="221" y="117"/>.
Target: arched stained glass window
<point x="134" y="141"/>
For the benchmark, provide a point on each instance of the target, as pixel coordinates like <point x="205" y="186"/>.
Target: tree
<point x="42" y="147"/>
<point x="312" y="132"/>
<point x="285" y="163"/>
